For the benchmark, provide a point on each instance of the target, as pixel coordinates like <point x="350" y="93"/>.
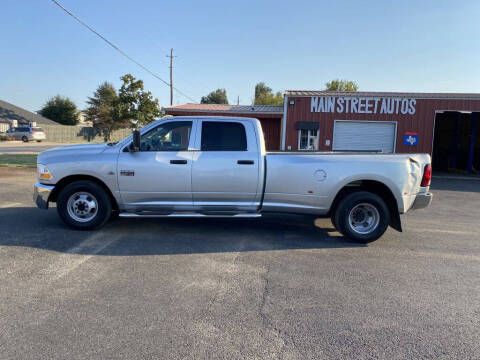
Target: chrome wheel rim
<point x="363" y="218"/>
<point x="82" y="206"/>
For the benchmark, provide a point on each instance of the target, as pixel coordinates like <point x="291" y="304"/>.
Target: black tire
<point x="24" y="139"/>
<point x="114" y="215"/>
<point x="39" y="140"/>
<point x="103" y="211"/>
<point x="364" y="201"/>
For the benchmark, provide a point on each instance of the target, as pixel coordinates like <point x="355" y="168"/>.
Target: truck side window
<point x="171" y="136"/>
<point x="223" y="136"/>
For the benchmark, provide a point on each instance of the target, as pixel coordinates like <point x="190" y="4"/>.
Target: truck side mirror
<point x="135" y="145"/>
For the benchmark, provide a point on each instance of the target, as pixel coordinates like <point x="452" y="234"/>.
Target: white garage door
<point x="364" y="135"/>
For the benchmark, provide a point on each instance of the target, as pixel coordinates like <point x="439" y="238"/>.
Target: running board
<point x="189" y="215"/>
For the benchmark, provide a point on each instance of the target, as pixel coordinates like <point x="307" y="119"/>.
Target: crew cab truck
<point x="218" y="167"/>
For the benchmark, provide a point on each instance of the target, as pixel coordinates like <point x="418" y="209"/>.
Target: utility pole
<point x="171" y="75"/>
<point x="238" y="100"/>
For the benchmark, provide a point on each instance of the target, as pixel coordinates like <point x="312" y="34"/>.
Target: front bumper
<point x="422" y="200"/>
<point x="41" y="194"/>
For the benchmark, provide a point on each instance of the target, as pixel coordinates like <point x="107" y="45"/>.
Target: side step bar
<point x="189" y="215"/>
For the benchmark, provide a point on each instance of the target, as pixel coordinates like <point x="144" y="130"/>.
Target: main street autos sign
<point x="362" y="105"/>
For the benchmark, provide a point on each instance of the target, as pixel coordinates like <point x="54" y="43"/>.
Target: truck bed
<point x="306" y="152"/>
<point x="307" y="181"/>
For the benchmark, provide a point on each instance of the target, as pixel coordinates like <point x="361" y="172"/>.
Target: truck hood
<point x="70" y="150"/>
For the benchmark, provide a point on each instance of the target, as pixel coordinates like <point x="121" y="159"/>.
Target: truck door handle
<point x="245" y="162"/>
<point x="178" y="162"/>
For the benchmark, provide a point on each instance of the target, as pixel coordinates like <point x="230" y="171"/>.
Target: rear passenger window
<point x="223" y="136"/>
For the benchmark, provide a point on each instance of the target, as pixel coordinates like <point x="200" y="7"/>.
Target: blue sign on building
<point x="410" y="138"/>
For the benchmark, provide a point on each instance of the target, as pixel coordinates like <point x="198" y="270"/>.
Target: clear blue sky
<point x="383" y="45"/>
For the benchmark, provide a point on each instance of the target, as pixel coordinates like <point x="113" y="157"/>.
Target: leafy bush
<point x="4" y="137"/>
<point x="61" y="110"/>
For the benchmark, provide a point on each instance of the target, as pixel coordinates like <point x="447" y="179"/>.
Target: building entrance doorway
<point x="456" y="145"/>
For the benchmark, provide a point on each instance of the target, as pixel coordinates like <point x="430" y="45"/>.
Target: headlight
<point x="43" y="173"/>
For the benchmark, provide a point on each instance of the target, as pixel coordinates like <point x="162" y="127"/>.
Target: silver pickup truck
<point x="218" y="167"/>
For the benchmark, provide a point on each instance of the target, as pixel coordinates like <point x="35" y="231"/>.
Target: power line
<point x="118" y="49"/>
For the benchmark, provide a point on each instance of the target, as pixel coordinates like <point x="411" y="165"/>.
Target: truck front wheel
<point x="84" y="205"/>
<point x="361" y="216"/>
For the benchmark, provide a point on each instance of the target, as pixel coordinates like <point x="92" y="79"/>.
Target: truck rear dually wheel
<point x="84" y="205"/>
<point x="361" y="216"/>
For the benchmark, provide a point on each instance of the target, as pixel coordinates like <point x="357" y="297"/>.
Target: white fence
<point x="69" y="134"/>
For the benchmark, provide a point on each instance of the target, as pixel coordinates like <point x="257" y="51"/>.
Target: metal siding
<point x="364" y="135"/>
<point x="422" y="121"/>
<point x="271" y="131"/>
<point x="411" y="95"/>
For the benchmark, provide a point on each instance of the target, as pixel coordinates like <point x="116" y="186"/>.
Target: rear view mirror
<point x="135" y="145"/>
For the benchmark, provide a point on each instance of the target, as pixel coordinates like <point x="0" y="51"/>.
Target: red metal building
<point x="441" y="124"/>
<point x="270" y="116"/>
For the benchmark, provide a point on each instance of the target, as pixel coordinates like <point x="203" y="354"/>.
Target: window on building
<point x="307" y="139"/>
<point x="223" y="136"/>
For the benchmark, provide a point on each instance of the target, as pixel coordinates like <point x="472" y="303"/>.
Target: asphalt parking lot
<point x="279" y="287"/>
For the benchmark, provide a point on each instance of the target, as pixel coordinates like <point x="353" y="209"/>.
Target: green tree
<point x="218" y="96"/>
<point x="341" y="85"/>
<point x="261" y="89"/>
<point x="103" y="110"/>
<point x="265" y="96"/>
<point x="136" y="104"/>
<point x="132" y="105"/>
<point x="61" y="110"/>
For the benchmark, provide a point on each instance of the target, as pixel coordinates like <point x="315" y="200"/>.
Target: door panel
<point x="222" y="177"/>
<point x="156" y="183"/>
<point x="14" y="134"/>
<point x="159" y="176"/>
